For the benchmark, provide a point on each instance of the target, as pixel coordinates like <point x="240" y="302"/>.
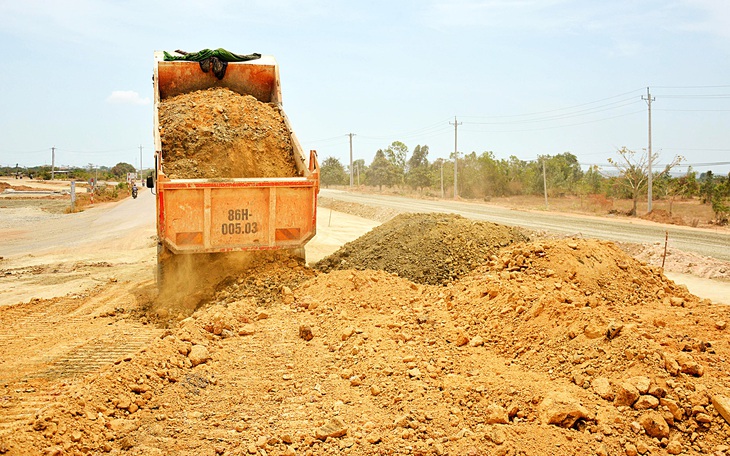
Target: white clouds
<point x="715" y="20"/>
<point x="533" y="15"/>
<point x="579" y="16"/>
<point x="127" y="97"/>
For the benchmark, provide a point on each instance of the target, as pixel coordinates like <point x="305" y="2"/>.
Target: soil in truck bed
<point x="217" y="133"/>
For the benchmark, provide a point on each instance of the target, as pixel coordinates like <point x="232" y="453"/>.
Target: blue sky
<point x="523" y="77"/>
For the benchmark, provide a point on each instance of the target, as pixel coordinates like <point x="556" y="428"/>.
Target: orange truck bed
<point x="232" y="214"/>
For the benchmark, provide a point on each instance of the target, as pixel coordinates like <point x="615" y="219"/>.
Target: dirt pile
<point x="425" y="248"/>
<point x="217" y="133"/>
<point x="565" y="347"/>
<point x="662" y="216"/>
<point x="192" y="281"/>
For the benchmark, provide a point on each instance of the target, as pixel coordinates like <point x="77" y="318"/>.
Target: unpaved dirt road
<point x="705" y="242"/>
<point x="47" y="255"/>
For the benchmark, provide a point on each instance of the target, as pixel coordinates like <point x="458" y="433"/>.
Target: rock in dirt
<point x="496" y="414"/>
<point x="561" y="409"/>
<point x="654" y="425"/>
<point x="602" y="387"/>
<point x="688" y="365"/>
<point x="626" y="394"/>
<point x="305" y="332"/>
<point x="198" y="355"/>
<point x="122" y="426"/>
<point x="335" y="428"/>
<point x="722" y="405"/>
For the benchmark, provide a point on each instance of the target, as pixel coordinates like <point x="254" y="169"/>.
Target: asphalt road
<point x="706" y="242"/>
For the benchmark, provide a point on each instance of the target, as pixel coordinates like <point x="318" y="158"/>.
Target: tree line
<point x="481" y="176"/>
<point x="116" y="172"/>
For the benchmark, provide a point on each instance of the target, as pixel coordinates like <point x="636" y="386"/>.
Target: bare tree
<point x="633" y="171"/>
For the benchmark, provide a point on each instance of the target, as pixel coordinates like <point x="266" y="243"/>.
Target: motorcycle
<point x="134" y="192"/>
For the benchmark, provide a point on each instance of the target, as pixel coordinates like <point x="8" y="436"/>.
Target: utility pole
<point x="140" y="165"/>
<point x="648" y="100"/>
<point x="544" y="181"/>
<point x="351" y="170"/>
<point x="441" y="160"/>
<point x="456" y="155"/>
<point x="53" y="162"/>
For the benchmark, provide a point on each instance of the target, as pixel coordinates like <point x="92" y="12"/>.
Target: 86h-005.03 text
<point x="238" y="227"/>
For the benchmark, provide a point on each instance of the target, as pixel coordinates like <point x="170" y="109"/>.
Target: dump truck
<point x="224" y="210"/>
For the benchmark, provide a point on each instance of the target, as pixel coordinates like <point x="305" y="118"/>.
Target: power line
<point x="566" y="108"/>
<point x="559" y="126"/>
<point x="693" y="87"/>
<point x="562" y="116"/>
<point x="693" y="110"/>
<point x="703" y="97"/>
<point x="698" y="150"/>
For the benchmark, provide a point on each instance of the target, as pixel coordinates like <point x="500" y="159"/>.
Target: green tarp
<point x="219" y="53"/>
<point x="216" y="60"/>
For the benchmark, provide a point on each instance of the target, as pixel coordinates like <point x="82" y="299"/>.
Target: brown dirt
<point x="217" y="133"/>
<point x="425" y="248"/>
<point x="570" y="331"/>
<point x="662" y="216"/>
<point x="19" y="187"/>
<point x="550" y="347"/>
<point x="674" y="261"/>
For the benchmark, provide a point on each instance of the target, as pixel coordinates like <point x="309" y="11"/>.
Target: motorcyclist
<point x="134" y="190"/>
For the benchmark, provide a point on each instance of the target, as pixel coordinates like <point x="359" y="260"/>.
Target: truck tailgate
<point x="242" y="214"/>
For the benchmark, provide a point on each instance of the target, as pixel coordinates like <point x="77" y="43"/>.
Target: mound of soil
<point x="662" y="216"/>
<point x="567" y="347"/>
<point x="425" y="248"/>
<point x="217" y="133"/>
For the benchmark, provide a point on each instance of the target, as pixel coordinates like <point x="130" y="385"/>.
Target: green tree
<point x="593" y="179"/>
<point x="470" y="179"/>
<point x="721" y="200"/>
<point x="381" y="171"/>
<point x="707" y="187"/>
<point x="565" y="173"/>
<point x="682" y="187"/>
<point x="417" y="169"/>
<point x="332" y="172"/>
<point x="121" y="169"/>
<point x="493" y="174"/>
<point x="519" y="175"/>
<point x="360" y="171"/>
<point x="396" y="154"/>
<point x="633" y="172"/>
